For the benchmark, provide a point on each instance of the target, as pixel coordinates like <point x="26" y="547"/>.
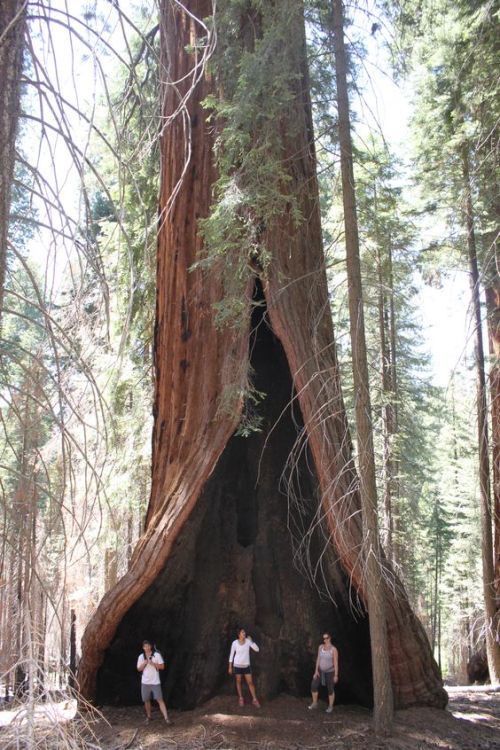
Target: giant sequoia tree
<point x="256" y="528"/>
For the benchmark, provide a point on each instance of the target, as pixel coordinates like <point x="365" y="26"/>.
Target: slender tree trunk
<point x="18" y="639"/>
<point x="493" y="308"/>
<point x="464" y="652"/>
<point x="492" y="643"/>
<point x="435" y="599"/>
<point x="389" y="409"/>
<point x="394" y="465"/>
<point x="12" y="26"/>
<point x="489" y="188"/>
<point x="375" y="592"/>
<point x="72" y="651"/>
<point x="42" y="650"/>
<point x="386" y="530"/>
<point x="22" y="513"/>
<point x="439" y="635"/>
<point x="9" y="617"/>
<point x="387" y="336"/>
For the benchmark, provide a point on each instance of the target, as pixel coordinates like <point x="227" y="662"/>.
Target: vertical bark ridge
<point x="12" y="28"/>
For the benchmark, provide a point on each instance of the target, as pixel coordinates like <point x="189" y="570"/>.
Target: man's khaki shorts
<point x="151" y="691"/>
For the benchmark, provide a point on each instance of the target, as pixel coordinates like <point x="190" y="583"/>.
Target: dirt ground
<point x="471" y="722"/>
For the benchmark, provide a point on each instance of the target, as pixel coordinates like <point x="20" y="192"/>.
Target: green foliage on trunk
<point x="256" y="100"/>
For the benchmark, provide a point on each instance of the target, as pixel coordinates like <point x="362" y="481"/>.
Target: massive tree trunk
<point x="218" y="548"/>
<point x="12" y="27"/>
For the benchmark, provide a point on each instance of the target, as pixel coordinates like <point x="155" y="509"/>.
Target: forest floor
<point x="471" y="722"/>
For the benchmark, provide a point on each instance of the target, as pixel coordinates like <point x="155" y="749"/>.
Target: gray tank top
<point x="326" y="660"/>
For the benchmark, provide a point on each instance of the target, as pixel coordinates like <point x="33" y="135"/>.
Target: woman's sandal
<point x="241" y="702"/>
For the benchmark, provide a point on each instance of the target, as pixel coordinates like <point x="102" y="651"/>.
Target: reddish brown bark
<point x="196" y="363"/>
<point x="12" y="26"/>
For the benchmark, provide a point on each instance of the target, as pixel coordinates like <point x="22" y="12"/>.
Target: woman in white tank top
<point x="326" y="672"/>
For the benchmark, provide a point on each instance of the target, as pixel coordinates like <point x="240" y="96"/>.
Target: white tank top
<point x="326" y="660"/>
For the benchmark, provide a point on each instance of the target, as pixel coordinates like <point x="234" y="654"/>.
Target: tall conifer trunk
<point x="217" y="548"/>
<point x="387" y="340"/>
<point x="490" y="609"/>
<point x="493" y="308"/>
<point x="12" y="27"/>
<point x="375" y="590"/>
<point x="394" y="417"/>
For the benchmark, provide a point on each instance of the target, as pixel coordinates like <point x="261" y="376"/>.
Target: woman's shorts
<point x="151" y="691"/>
<point x="325" y="678"/>
<point x="242" y="670"/>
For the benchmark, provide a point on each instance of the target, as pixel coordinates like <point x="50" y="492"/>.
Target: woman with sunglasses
<point x="326" y="672"/>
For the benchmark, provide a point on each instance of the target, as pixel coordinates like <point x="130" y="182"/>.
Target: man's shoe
<point x="312" y="706"/>
<point x="329" y="710"/>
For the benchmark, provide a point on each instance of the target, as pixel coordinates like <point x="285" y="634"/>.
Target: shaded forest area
<point x="220" y="403"/>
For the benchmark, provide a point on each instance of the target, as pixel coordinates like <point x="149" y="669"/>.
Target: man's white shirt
<point x="150" y="675"/>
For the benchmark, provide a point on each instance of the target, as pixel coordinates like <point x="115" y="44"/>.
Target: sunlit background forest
<point x="79" y="242"/>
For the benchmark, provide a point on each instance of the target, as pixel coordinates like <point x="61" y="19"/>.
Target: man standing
<point x="150" y="663"/>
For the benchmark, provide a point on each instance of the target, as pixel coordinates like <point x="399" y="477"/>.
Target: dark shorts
<point x="325" y="678"/>
<point x="242" y="670"/>
<point x="151" y="691"/>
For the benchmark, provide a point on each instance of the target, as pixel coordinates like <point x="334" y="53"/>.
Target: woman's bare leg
<point x="238" y="686"/>
<point x="251" y="687"/>
<point x="315" y="699"/>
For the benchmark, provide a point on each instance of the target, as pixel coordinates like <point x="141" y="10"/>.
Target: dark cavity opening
<point x="234" y="565"/>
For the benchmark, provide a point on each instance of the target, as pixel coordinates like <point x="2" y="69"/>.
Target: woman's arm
<point x="253" y="645"/>
<point x="231" y="656"/>
<point x="336" y="663"/>
<point x="316" y="668"/>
